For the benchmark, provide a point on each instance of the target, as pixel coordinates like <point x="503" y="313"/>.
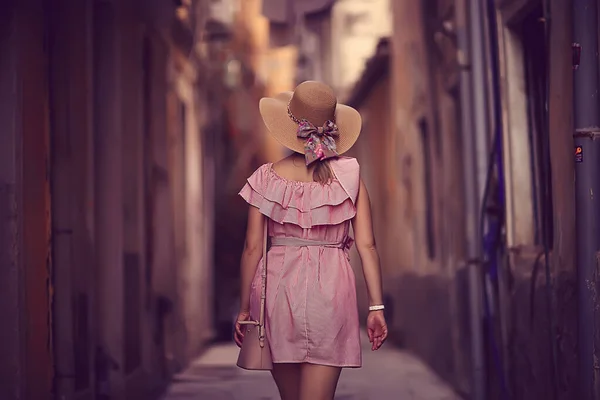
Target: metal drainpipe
<point x="586" y="116"/>
<point x="474" y="166"/>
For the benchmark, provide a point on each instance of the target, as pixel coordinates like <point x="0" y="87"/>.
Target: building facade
<point x="511" y="331"/>
<point x="445" y="87"/>
<point x="106" y="198"/>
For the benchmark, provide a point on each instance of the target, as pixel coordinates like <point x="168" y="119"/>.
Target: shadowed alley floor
<point x="386" y="374"/>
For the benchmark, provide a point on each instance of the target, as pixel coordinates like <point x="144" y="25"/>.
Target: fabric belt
<point x="299" y="242"/>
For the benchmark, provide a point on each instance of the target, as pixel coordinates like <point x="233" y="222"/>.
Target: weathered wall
<point x="25" y="207"/>
<point x="10" y="214"/>
<point x="186" y="158"/>
<point x="72" y="186"/>
<point x="530" y="337"/>
<point x="36" y="200"/>
<point x="445" y="134"/>
<point x="428" y="286"/>
<point x="407" y="134"/>
<point x="87" y="171"/>
<point x="36" y="207"/>
<point x="561" y="154"/>
<point x="108" y="157"/>
<point x="160" y="273"/>
<point x="426" y="282"/>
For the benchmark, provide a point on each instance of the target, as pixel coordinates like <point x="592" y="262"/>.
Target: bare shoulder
<point x="293" y="168"/>
<point x="284" y="163"/>
<point x="347" y="158"/>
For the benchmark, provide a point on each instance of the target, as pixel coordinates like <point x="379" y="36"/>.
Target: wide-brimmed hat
<point x="308" y="115"/>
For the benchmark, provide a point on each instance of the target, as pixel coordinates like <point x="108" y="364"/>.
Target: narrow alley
<point x="389" y="374"/>
<point x="129" y="127"/>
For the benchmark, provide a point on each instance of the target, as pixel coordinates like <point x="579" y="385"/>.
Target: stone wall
<point x="413" y="129"/>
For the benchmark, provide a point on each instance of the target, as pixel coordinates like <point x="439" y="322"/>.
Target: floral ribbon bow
<point x="320" y="143"/>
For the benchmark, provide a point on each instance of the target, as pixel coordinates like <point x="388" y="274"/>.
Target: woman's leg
<point x="287" y="379"/>
<point x="318" y="382"/>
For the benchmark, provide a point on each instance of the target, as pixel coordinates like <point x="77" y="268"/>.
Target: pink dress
<point x="311" y="308"/>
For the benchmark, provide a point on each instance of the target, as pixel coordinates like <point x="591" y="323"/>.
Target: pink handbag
<point x="255" y="353"/>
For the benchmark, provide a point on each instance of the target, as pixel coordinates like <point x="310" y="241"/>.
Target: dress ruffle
<point x="305" y="204"/>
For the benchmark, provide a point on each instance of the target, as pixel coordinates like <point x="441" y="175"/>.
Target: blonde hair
<point x="322" y="172"/>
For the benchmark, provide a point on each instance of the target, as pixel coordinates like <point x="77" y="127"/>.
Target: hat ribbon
<point x="319" y="140"/>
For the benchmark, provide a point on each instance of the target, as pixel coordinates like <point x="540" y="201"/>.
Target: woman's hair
<point x="322" y="172"/>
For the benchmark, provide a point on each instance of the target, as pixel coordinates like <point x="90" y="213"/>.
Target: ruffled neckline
<point x="306" y="204"/>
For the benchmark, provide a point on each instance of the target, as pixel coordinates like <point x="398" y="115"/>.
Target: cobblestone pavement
<point x="386" y="374"/>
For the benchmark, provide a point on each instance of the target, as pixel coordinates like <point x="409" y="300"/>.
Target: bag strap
<point x="263" y="294"/>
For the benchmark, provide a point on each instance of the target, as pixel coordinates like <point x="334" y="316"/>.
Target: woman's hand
<point x="376" y="329"/>
<point x="238" y="336"/>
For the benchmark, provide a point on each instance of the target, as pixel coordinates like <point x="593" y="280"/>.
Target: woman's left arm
<point x="365" y="244"/>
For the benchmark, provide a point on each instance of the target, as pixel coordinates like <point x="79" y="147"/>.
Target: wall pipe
<point x="473" y="131"/>
<point x="586" y="118"/>
<point x="550" y="298"/>
<point x="493" y="243"/>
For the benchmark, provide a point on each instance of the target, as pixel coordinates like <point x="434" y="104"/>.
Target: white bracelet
<point x="377" y="307"/>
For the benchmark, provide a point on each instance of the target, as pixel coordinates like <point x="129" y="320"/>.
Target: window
<point x="529" y="210"/>
<point x="535" y="65"/>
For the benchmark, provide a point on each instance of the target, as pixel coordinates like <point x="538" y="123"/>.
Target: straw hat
<point x="311" y="110"/>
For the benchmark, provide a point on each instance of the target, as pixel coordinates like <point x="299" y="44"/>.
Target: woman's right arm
<point x="251" y="255"/>
<point x="253" y="248"/>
